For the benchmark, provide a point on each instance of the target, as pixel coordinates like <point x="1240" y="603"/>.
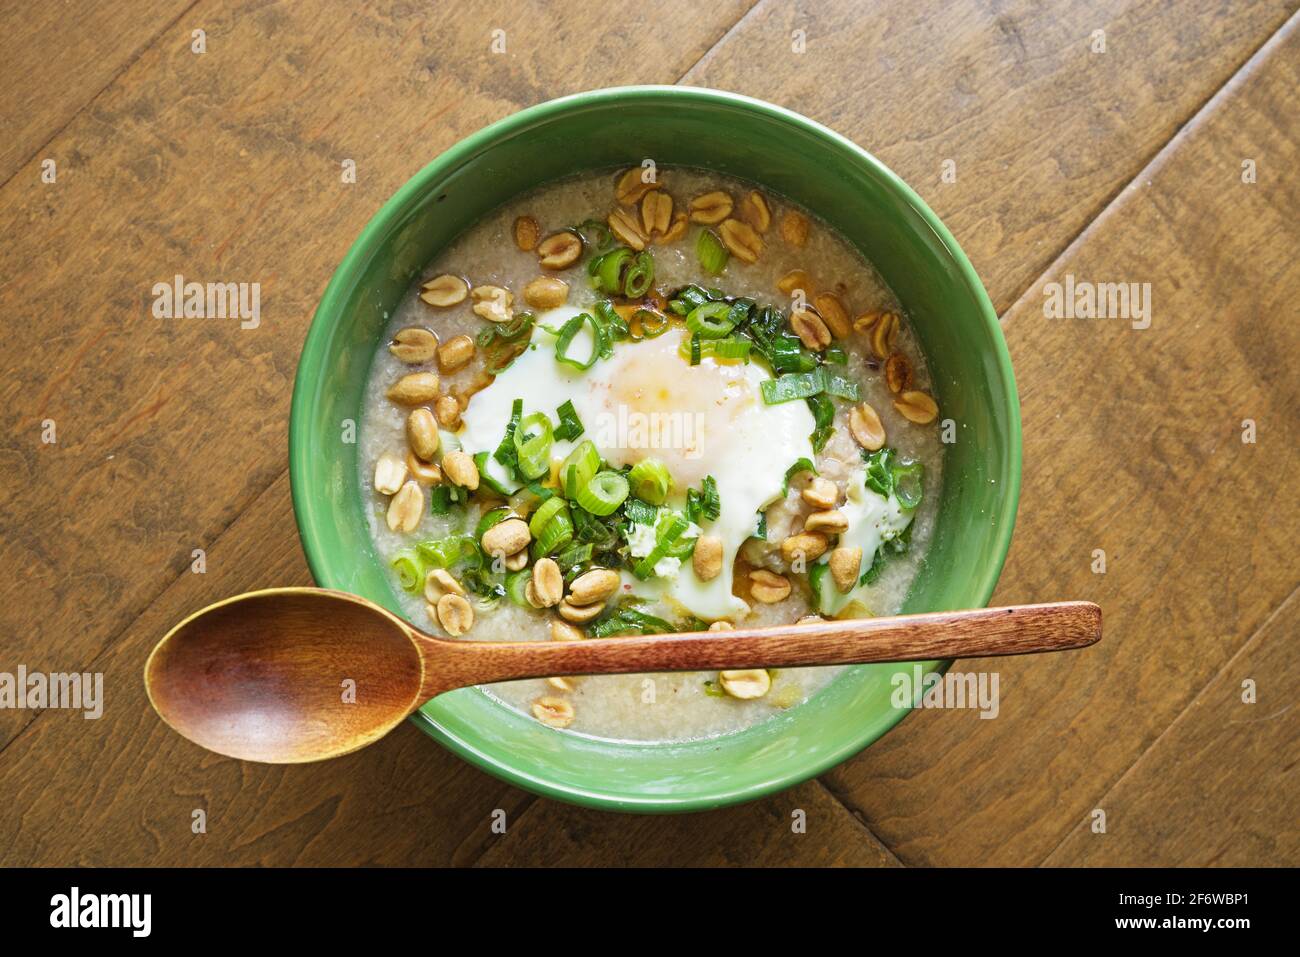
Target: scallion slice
<point x="651" y="481"/>
<point x="557" y="533"/>
<point x="410" y="570"/>
<point x="533" y="438"/>
<point x="711" y="253"/>
<point x="492" y="516"/>
<point x="577" y="470"/>
<point x="607" y="271"/>
<point x="670" y="529"/>
<point x="542" y="517"/>
<point x="570" y="426"/>
<point x="640" y="275"/>
<point x="604" y="493"/>
<point x="711" y="320"/>
<point x="516" y="586"/>
<point x="569" y="331"/>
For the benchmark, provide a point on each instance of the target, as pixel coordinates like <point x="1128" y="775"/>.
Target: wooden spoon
<point x="300" y="674"/>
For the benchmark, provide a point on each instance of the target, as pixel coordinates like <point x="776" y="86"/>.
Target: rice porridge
<point x="646" y="401"/>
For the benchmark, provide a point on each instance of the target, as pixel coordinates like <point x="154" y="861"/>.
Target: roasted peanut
<point x="711" y="208"/>
<point x="422" y="433"/>
<point x="740" y="238"/>
<point x="559" y="250"/>
<point x="390" y="473"/>
<point x="625" y="227"/>
<point x="517" y="561"/>
<point x="898" y="373"/>
<point x="593" y="586"/>
<point x="751" y="683"/>
<point x="546" y="292"/>
<point x="831" y="521"/>
<point x="754" y="210"/>
<point x="506" y="537"/>
<point x="455" y="614"/>
<point x="556" y="712"/>
<point x="917" y="407"/>
<point x="441" y="582"/>
<point x="455" y="353"/>
<point x="634" y="184"/>
<point x="414" y="388"/>
<point x="768" y="587"/>
<point x="808" y="546"/>
<point x="527" y="232"/>
<point x="406" y="508"/>
<point x="883" y="335"/>
<point x="866" y="428"/>
<point x="656" y="212"/>
<point x="676" y="231"/>
<point x="579" y="614"/>
<point x="723" y="625"/>
<point x="547" y="582"/>
<point x="810" y="329"/>
<point x="707" y="558"/>
<point x="821" y="493"/>
<point x="493" y="303"/>
<point x="833" y="314"/>
<point x="413" y="345"/>
<point x="795" y="279"/>
<point x="444" y="291"/>
<point x="794" y="228"/>
<point x="845" y="564"/>
<point x="561" y="630"/>
<point x="460" y="469"/>
<point x="426" y="473"/>
<point x="447" y="411"/>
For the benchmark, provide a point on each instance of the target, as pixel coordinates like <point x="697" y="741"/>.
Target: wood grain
<point x="1219" y="785"/>
<point x="226" y="166"/>
<point x="1133" y="445"/>
<point x="1042" y="132"/>
<point x="759" y="834"/>
<point x="54" y="60"/>
<point x="172" y="437"/>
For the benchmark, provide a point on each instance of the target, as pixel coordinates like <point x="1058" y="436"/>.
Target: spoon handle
<point x="1014" y="630"/>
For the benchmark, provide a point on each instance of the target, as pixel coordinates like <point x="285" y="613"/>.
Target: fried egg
<point x="647" y="401"/>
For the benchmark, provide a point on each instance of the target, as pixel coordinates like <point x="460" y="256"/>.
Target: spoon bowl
<point x="289" y="675"/>
<point x="286" y="675"/>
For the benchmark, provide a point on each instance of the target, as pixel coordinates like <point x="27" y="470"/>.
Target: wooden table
<point x="1119" y="141"/>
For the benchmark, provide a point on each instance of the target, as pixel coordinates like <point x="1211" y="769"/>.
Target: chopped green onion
<point x="640" y="275"/>
<point x="604" y="493"/>
<point x="577" y="470"/>
<point x="729" y="348"/>
<point x="607" y="270"/>
<point x="705" y="504"/>
<point x="651" y="481"/>
<point x="595" y="234"/>
<point x="545" y="512"/>
<point x="505" y="452"/>
<point x="711" y="320"/>
<point x="879" y="473"/>
<point x="823" y="410"/>
<point x="711" y="253"/>
<point x="629" y="621"/>
<point x="803" y="465"/>
<point x="574" y="556"/>
<point x="570" y="426"/>
<point x="612" y="324"/>
<point x="652" y="324"/>
<point x="569" y="331"/>
<point x="835" y="355"/>
<point x="669" y="530"/>
<point x="760" y="527"/>
<point x="443" y="497"/>
<point x="533" y="438"/>
<point x="557" y="533"/>
<point x="713" y="689"/>
<point x="695" y="349"/>
<point x="410" y="570"/>
<point x="516" y="586"/>
<point x="877" y="566"/>
<point x="639" y="512"/>
<point x="492" y="516"/>
<point x="840" y="387"/>
<point x="805" y="385"/>
<point x="907" y="484"/>
<point x="449" y="551"/>
<point x="495" y="476"/>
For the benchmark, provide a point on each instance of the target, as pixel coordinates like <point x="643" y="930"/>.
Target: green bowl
<point x="791" y="155"/>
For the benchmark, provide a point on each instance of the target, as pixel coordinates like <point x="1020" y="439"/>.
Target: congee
<point x="647" y="401"/>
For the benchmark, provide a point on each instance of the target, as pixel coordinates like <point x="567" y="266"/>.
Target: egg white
<point x="649" y="402"/>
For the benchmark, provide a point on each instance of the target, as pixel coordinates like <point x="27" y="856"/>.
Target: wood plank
<point x="758" y="834"/>
<point x="122" y="790"/>
<point x="1219" y="787"/>
<point x="1133" y="444"/>
<point x="1043" y="131"/>
<point x="57" y="58"/>
<point x="226" y="167"/>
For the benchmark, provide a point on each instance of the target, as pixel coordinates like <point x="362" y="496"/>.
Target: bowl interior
<point x="827" y="174"/>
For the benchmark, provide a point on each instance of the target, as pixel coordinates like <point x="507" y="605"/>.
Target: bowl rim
<point x="352" y="265"/>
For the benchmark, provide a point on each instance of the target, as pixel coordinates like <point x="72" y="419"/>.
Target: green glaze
<point x="793" y="156"/>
